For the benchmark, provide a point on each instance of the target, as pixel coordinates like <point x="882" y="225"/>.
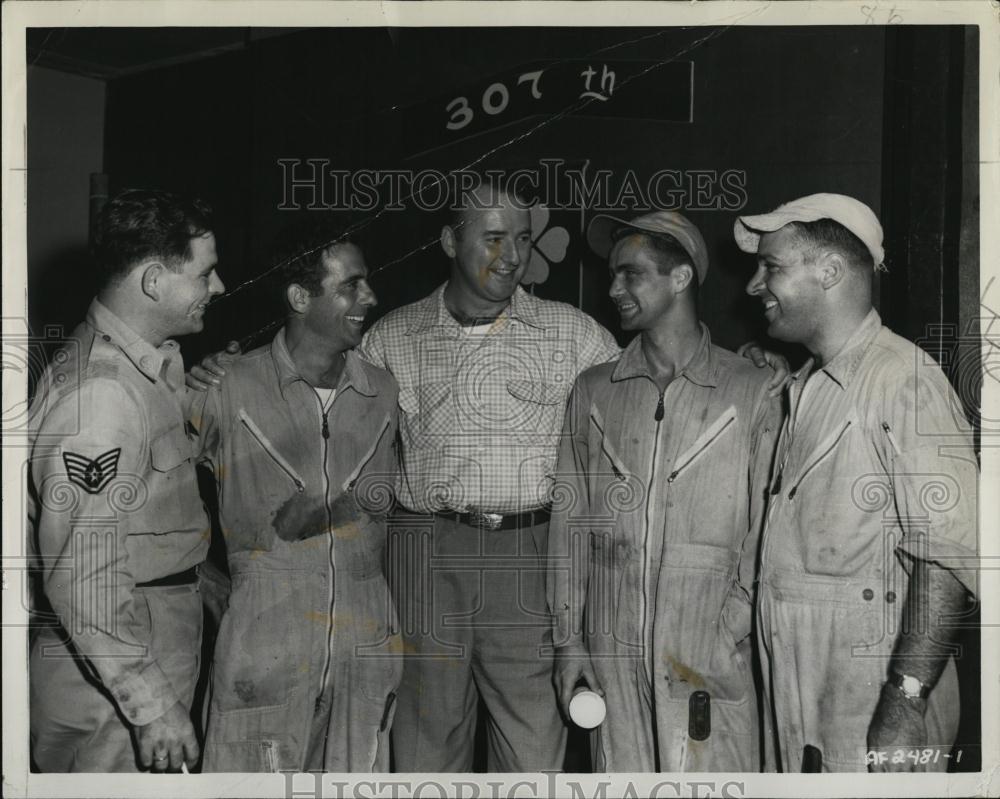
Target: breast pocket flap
<point x="169" y="450"/>
<point x="537" y="391"/>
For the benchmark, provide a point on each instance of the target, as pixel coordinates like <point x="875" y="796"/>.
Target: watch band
<point x="906" y="683"/>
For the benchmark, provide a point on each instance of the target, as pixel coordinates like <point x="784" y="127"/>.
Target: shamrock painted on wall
<point x="547" y="246"/>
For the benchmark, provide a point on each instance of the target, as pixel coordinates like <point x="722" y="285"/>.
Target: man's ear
<point x="152" y="273"/>
<point x="832" y="269"/>
<point x="683" y="274"/>
<point x="448" y="240"/>
<point x="297" y="297"/>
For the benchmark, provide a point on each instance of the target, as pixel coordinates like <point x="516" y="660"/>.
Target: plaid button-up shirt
<point x="481" y="412"/>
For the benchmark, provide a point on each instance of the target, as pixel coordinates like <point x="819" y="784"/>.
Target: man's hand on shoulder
<point x="169" y="741"/>
<point x="212" y="368"/>
<point x="760" y="357"/>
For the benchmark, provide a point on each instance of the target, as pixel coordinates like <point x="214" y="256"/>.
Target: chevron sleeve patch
<point x="92" y="475"/>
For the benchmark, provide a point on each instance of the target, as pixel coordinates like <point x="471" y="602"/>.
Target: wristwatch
<point x="911" y="687"/>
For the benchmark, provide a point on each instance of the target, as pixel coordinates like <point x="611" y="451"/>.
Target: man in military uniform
<point x="114" y="512"/>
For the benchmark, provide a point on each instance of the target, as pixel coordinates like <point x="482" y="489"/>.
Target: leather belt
<point x="185" y="577"/>
<point x="499" y="521"/>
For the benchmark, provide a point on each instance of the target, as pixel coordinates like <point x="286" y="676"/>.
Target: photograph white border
<point x="17" y="16"/>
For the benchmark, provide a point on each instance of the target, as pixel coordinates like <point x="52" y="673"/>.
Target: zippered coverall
<point x="308" y="655"/>
<point x="657" y="509"/>
<point x="874" y="469"/>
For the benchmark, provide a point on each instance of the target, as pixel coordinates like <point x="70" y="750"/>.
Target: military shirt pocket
<point x="169" y="450"/>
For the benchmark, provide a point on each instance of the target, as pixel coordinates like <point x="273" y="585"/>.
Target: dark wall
<point x="219" y="127"/>
<point x="65" y="146"/>
<point x="931" y="199"/>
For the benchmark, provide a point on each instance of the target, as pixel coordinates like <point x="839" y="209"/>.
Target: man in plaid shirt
<point x="484" y="369"/>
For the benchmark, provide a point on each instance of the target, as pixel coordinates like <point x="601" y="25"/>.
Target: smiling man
<point x="665" y="456"/>
<point x="870" y="540"/>
<point x="301" y="436"/>
<point x="114" y="511"/>
<point x="484" y="369"/>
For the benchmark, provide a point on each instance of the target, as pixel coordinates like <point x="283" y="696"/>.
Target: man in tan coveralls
<point x="301" y="435"/>
<point x="662" y="471"/>
<point x="871" y="524"/>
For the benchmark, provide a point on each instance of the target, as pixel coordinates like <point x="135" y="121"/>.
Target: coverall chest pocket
<point x="830" y="497"/>
<point x="261" y="444"/>
<point x="713" y="468"/>
<point x="615" y="489"/>
<point x="263" y="641"/>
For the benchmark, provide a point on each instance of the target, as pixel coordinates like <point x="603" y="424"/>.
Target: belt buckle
<point x="489" y="521"/>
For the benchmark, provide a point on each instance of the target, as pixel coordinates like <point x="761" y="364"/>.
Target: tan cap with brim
<point x="603" y="226"/>
<point x="852" y="214"/>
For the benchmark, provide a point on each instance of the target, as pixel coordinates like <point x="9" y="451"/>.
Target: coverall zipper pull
<point x="326" y="427"/>
<point x="658" y="416"/>
<point x="892" y="438"/>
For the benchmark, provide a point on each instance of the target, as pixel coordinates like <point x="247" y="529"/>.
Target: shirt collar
<point x="434" y="313"/>
<point x="354" y="374"/>
<point x="701" y="370"/>
<point x="845" y="363"/>
<point x="155" y="363"/>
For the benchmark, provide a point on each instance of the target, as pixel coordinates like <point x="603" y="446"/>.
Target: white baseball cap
<point x="852" y="214"/>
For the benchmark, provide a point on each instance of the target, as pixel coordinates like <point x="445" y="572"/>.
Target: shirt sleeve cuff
<point x="143" y="696"/>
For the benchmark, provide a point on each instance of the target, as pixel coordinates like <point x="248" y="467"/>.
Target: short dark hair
<point x="826" y="233"/>
<point x="139" y="224"/>
<point x="460" y="200"/>
<point x="299" y="250"/>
